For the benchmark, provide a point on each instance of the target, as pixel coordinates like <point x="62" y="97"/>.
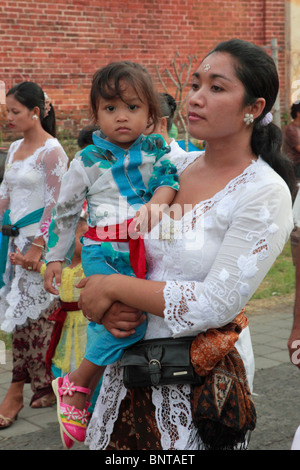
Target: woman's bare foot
<point x="12" y="404"/>
<point x="45" y="401"/>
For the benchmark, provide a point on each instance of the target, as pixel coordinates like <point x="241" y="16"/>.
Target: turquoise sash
<point x="29" y="219"/>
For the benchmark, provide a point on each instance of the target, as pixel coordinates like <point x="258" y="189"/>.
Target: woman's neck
<point x="222" y="154"/>
<point x="36" y="135"/>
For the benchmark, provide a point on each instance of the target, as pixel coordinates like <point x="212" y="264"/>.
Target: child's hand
<point x="53" y="272"/>
<point x="16" y="258"/>
<point x="141" y="219"/>
<point x="147" y="217"/>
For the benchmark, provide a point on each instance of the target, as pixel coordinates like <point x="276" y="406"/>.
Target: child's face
<point x="123" y="121"/>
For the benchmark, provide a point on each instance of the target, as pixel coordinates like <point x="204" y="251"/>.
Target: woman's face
<point x="19" y="116"/>
<point x="215" y="108"/>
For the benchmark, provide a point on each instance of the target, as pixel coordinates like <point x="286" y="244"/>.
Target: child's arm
<point x="150" y="213"/>
<point x="164" y="171"/>
<point x="53" y="272"/>
<point x="64" y="221"/>
<point x="163" y="184"/>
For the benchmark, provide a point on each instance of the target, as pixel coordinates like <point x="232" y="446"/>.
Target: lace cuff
<point x="182" y="309"/>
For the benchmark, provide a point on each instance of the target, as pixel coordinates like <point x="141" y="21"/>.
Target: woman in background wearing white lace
<point x="34" y="168"/>
<point x="230" y="220"/>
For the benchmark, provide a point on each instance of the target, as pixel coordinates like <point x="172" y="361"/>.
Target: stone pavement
<point x="276" y="391"/>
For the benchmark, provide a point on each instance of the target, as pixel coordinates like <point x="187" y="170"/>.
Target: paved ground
<point x="276" y="391"/>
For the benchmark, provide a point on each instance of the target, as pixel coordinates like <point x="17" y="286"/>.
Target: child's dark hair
<point x="257" y="71"/>
<point x="295" y="108"/>
<point x="168" y="107"/>
<point x="30" y="94"/>
<point x="106" y="84"/>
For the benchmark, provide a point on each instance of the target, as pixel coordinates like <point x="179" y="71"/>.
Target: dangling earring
<point x="248" y="119"/>
<point x="35" y="116"/>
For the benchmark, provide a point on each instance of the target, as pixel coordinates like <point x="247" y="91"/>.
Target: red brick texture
<point x="60" y="44"/>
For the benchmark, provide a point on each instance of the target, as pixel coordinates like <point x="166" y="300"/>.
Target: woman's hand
<point x="100" y="292"/>
<point x="96" y="296"/>
<point x="121" y="320"/>
<point x="31" y="258"/>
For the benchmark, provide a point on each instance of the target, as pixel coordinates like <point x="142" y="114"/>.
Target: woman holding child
<point x="228" y="222"/>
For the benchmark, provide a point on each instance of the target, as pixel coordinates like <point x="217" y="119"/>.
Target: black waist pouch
<point x="160" y="361"/>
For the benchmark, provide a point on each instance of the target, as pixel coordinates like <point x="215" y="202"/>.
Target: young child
<point x="120" y="176"/>
<point x="67" y="345"/>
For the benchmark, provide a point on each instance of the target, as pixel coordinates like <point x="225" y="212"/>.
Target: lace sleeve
<point x="54" y="161"/>
<point x="67" y="212"/>
<point x="258" y="229"/>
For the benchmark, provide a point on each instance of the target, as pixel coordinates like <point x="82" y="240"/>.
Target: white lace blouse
<point x="212" y="260"/>
<point x="28" y="185"/>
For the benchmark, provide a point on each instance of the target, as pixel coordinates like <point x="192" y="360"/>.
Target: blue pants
<point x="102" y="347"/>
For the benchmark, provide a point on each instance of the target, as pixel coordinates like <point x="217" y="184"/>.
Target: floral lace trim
<point x="24" y="297"/>
<point x="170" y="403"/>
<point x="49" y="144"/>
<point x="173" y="413"/>
<point x="106" y="409"/>
<point x="27" y="299"/>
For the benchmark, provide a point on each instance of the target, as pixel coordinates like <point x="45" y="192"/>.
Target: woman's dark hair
<point x="106" y="84"/>
<point x="168" y="107"/>
<point x="85" y="136"/>
<point x="295" y="108"/>
<point x="31" y="95"/>
<point x="257" y="71"/>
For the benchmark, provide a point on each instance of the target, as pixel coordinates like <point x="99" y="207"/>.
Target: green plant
<point x="6" y="338"/>
<point x="179" y="78"/>
<point x="280" y="280"/>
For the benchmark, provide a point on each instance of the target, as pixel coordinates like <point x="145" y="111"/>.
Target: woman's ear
<point x="164" y="123"/>
<point x="258" y="107"/>
<point x="36" y="111"/>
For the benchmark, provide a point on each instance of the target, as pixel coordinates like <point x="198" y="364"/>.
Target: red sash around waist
<point x="123" y="233"/>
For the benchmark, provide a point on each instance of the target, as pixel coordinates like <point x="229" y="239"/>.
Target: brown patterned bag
<point x="222" y="407"/>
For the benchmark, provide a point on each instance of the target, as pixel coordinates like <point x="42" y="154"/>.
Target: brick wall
<point x="60" y="44"/>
